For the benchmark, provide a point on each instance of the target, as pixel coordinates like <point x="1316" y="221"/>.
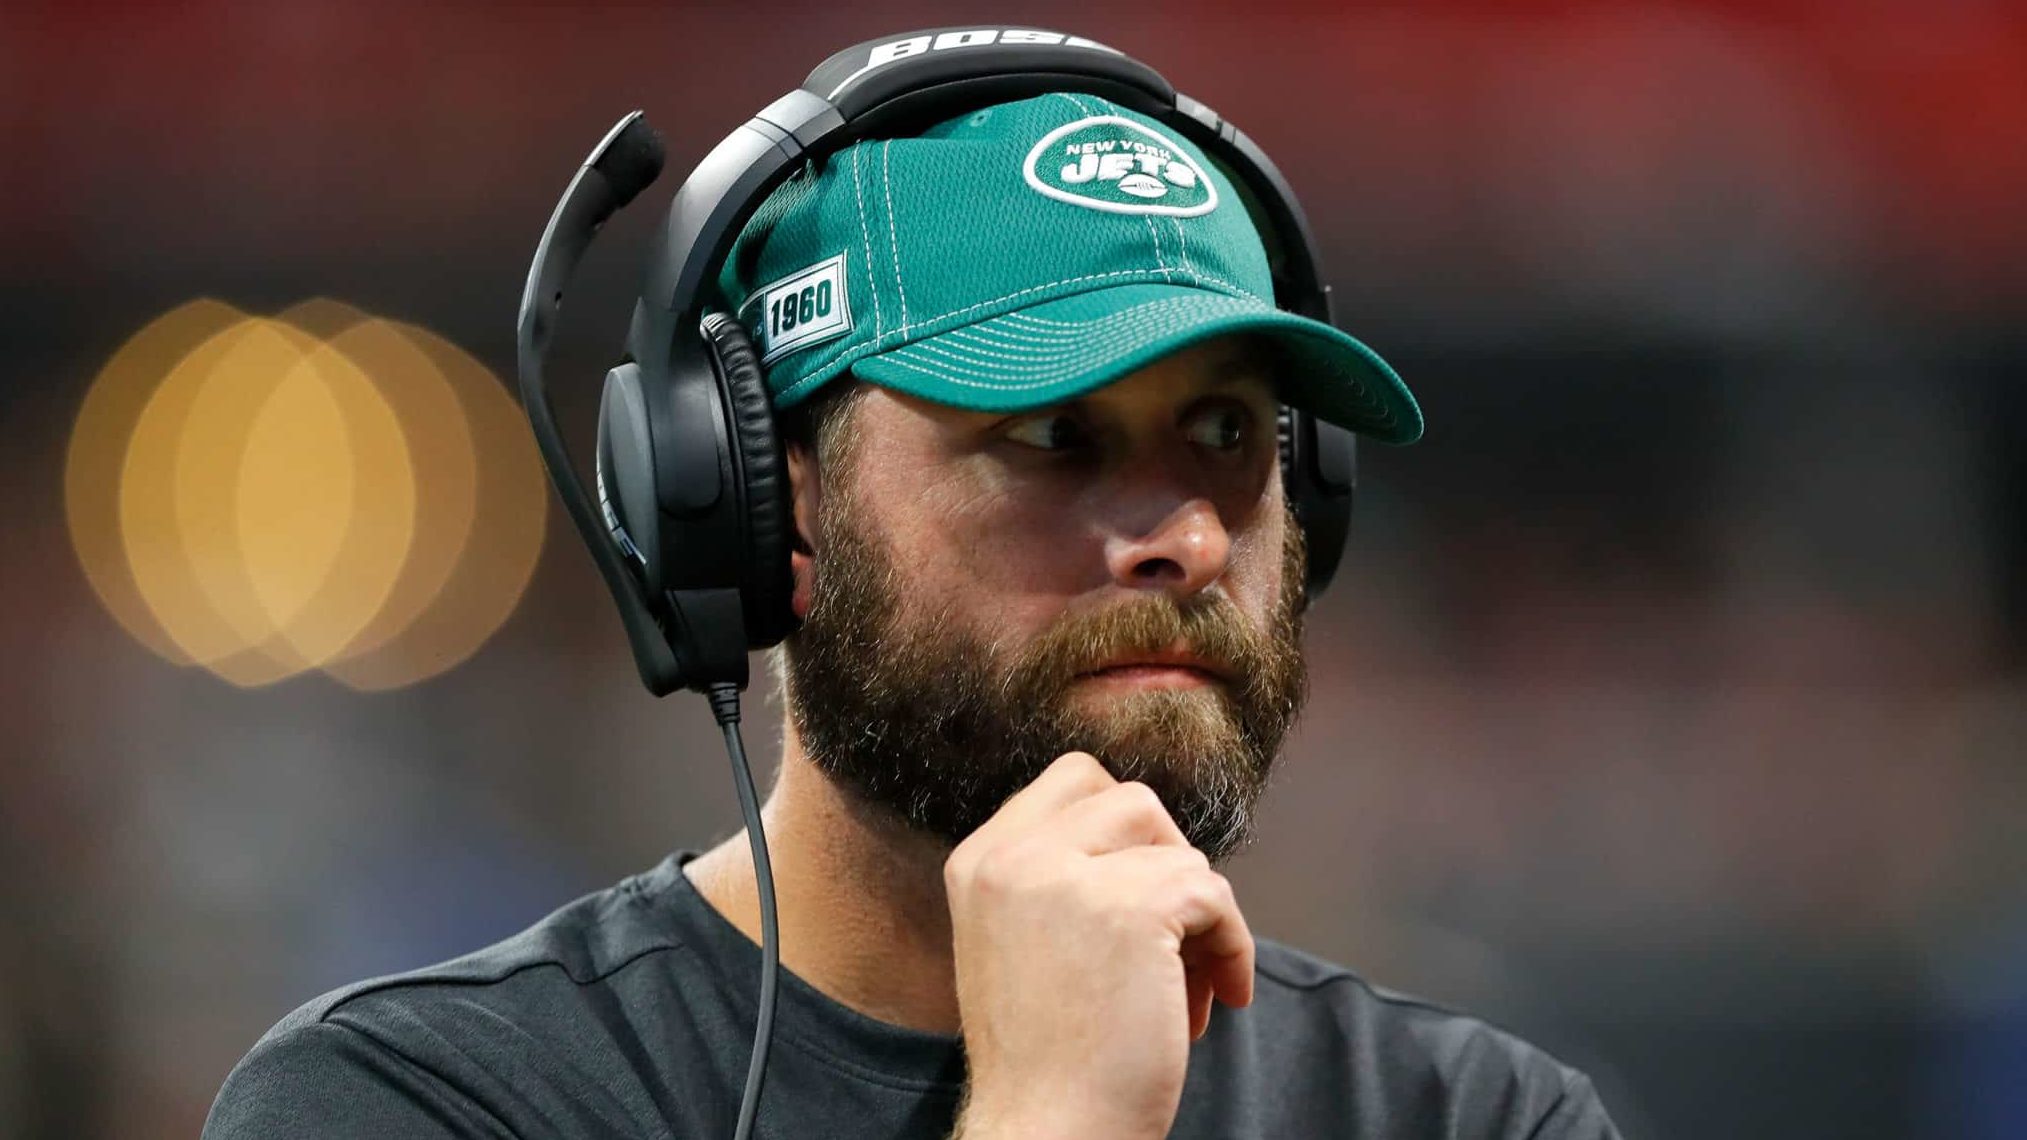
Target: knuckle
<point x="1075" y="762"/>
<point x="1141" y="799"/>
<point x="997" y="871"/>
<point x="1221" y="890"/>
<point x="1207" y="889"/>
<point x="957" y="869"/>
<point x="1083" y="770"/>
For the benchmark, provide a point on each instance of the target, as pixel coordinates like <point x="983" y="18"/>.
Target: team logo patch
<point x="1109" y="162"/>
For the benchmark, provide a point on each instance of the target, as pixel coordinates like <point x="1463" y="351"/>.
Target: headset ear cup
<point x="1284" y="438"/>
<point x="766" y="582"/>
<point x="1319" y="476"/>
<point x="625" y="472"/>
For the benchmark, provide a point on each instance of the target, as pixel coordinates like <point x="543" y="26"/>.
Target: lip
<point x="1158" y="669"/>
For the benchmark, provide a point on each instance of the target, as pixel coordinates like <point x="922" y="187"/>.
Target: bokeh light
<point x="324" y="489"/>
<point x="164" y="568"/>
<point x="323" y="500"/>
<point x="509" y="518"/>
<point x="98" y="446"/>
<point x="445" y="466"/>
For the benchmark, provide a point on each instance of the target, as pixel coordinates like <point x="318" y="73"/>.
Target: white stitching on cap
<point x="1087" y="348"/>
<point x="1368" y="406"/>
<point x="1052" y="285"/>
<point x="1364" y="397"/>
<point x="1079" y="346"/>
<point x="948" y="377"/>
<point x="1028" y="361"/>
<point x="999" y="383"/>
<point x="1006" y="325"/>
<point x="893" y="241"/>
<point x="1154" y="235"/>
<point x="1000" y="337"/>
<point x="866" y="234"/>
<point x="1181" y="243"/>
<point x="1233" y="301"/>
<point x="1010" y="324"/>
<point x="1029" y="366"/>
<point x="1011" y="341"/>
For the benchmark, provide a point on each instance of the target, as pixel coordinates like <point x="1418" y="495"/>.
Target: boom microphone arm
<point x="619" y="168"/>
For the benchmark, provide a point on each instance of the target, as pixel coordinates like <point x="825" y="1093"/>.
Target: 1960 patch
<point x="806" y="307"/>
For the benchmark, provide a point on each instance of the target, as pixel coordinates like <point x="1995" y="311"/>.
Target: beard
<point x="914" y="713"/>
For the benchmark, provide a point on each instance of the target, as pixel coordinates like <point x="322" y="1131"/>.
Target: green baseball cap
<point x="1021" y="256"/>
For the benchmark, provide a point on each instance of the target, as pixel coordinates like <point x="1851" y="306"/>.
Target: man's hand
<point x="1090" y="939"/>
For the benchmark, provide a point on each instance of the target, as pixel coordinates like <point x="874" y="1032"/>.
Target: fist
<point x="1090" y="940"/>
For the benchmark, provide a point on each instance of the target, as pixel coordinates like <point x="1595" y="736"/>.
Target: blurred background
<point x="1669" y="708"/>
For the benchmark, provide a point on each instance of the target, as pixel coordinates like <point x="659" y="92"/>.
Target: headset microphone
<point x="620" y="167"/>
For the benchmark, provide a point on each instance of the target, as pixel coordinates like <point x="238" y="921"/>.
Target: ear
<point x="805" y="491"/>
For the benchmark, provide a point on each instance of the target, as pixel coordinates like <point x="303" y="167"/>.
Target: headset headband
<point x="884" y="88"/>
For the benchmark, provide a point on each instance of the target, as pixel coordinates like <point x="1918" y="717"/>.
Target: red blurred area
<point x="370" y="113"/>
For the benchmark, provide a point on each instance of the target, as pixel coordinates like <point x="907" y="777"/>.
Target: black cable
<point x="725" y="706"/>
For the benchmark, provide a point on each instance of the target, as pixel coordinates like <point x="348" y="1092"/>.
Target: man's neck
<point x="863" y="916"/>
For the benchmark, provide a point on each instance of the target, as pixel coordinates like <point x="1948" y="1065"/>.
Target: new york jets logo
<point x="1108" y="162"/>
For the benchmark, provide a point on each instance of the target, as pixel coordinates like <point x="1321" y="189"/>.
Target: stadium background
<point x="1670" y="706"/>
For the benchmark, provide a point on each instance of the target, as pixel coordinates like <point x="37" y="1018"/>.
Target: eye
<point x="1221" y="426"/>
<point x="1050" y="431"/>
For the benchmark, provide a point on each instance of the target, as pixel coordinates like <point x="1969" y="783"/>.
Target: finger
<point x="1227" y="978"/>
<point x="1123" y="815"/>
<point x="1232" y="976"/>
<point x="1199" y="986"/>
<point x="1073" y="776"/>
<point x="1199" y="908"/>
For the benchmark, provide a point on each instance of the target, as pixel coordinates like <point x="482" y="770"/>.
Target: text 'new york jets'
<point x="1112" y="163"/>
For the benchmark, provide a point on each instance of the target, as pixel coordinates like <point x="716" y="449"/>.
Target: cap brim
<point x="1061" y="349"/>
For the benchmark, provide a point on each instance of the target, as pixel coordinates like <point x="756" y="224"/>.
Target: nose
<point x="1184" y="552"/>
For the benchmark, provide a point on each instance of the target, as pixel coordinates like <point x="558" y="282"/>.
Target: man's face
<point x="1117" y="574"/>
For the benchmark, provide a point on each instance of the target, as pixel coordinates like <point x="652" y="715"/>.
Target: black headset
<point x="693" y="526"/>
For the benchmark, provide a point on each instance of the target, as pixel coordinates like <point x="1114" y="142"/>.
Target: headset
<point x="693" y="525"/>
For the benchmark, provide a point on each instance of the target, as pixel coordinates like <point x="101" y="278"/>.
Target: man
<point x="1051" y="596"/>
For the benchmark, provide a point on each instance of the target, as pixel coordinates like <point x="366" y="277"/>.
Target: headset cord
<point x="725" y="706"/>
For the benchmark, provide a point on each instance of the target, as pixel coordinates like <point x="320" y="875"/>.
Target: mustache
<point x="1208" y="626"/>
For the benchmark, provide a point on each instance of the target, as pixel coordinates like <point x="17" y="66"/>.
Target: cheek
<point x="1004" y="563"/>
<point x="1254" y="579"/>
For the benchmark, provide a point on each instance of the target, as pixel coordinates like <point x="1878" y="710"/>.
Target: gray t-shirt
<point x="630" y="1013"/>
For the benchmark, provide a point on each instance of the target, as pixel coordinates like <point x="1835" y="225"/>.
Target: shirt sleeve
<point x="326" y="1081"/>
<point x="1577" y="1114"/>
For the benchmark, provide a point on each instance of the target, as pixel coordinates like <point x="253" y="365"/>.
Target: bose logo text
<point x="887" y="53"/>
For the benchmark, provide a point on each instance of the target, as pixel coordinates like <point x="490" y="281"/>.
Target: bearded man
<point x="1051" y="594"/>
